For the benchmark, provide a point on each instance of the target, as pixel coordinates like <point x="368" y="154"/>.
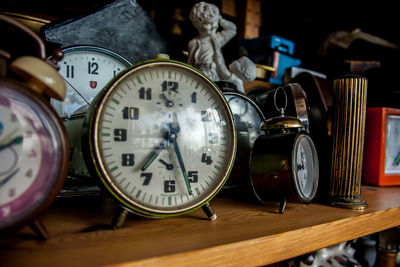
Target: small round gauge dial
<point x="86" y="70"/>
<point x="33" y="154"/>
<point x="162" y="138"/>
<point x="305" y="167"/>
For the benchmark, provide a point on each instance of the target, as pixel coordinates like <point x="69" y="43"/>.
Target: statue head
<point x="244" y="68"/>
<point x="205" y="17"/>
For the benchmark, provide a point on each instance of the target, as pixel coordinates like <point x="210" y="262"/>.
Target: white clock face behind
<point x="86" y="70"/>
<point x="392" y="150"/>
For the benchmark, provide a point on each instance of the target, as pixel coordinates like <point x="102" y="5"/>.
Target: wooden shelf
<point x="244" y="233"/>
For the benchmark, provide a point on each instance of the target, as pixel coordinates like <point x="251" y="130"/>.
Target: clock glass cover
<point x="305" y="167"/>
<point x="161" y="138"/>
<point x="33" y="154"/>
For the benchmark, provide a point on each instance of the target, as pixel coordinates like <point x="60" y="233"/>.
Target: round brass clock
<point x="161" y="138"/>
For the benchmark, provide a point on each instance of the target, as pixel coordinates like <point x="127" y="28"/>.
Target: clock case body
<point x="50" y="192"/>
<point x="272" y="174"/>
<point x="240" y="174"/>
<point x="375" y="147"/>
<point x="92" y="162"/>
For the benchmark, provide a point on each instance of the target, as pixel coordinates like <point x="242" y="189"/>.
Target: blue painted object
<point x="274" y="51"/>
<point x="281" y="62"/>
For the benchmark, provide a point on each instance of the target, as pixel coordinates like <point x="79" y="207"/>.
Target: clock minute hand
<point x="173" y="136"/>
<point x="156" y="153"/>
<point x="9" y="140"/>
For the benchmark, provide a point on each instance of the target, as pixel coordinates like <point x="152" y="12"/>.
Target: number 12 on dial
<point x="161" y="139"/>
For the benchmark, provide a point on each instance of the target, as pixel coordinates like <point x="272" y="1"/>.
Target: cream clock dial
<point x="161" y="138"/>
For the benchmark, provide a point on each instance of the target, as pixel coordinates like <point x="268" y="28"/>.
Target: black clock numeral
<point x="145" y="94"/>
<point x="194" y="97"/>
<point x="206" y="159"/>
<point x="70" y="71"/>
<point x="120" y="135"/>
<point x="93" y="68"/>
<point x="193" y="176"/>
<point x="173" y="86"/>
<point x="128" y="159"/>
<point x="147" y="177"/>
<point x="169" y="186"/>
<point x="130" y="113"/>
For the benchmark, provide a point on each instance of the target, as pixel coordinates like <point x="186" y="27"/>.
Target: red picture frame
<point x="381" y="162"/>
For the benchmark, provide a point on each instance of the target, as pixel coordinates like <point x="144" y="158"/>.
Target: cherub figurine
<point x="205" y="49"/>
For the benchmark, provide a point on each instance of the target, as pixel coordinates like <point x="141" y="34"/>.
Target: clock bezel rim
<point x="92" y="122"/>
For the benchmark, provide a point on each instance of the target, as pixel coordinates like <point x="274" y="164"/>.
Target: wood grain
<point x="245" y="233"/>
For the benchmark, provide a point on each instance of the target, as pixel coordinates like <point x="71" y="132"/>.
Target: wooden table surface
<point x="245" y="233"/>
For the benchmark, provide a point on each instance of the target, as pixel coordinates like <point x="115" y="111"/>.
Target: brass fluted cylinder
<point x="350" y="99"/>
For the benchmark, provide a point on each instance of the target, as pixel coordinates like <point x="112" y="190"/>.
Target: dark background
<point x="306" y="23"/>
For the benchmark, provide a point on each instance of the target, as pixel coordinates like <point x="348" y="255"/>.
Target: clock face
<point x="392" y="149"/>
<point x="305" y="167"/>
<point x="163" y="139"/>
<point x="86" y="70"/>
<point x="32" y="154"/>
<point x="247" y="116"/>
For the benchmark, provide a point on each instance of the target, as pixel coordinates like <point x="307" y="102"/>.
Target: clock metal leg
<point x="119" y="218"/>
<point x="38" y="227"/>
<point x="209" y="211"/>
<point x="282" y="207"/>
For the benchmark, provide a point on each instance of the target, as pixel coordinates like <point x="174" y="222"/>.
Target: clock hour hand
<point x="10" y="140"/>
<point x="168" y="102"/>
<point x="172" y="138"/>
<point x="156" y="153"/>
<point x="169" y="166"/>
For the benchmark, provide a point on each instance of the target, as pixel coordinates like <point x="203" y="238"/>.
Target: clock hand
<point x="169" y="166"/>
<point x="87" y="102"/>
<point x="9" y="140"/>
<point x="5" y="180"/>
<point x="168" y="102"/>
<point x="396" y="160"/>
<point x="172" y="138"/>
<point x="156" y="153"/>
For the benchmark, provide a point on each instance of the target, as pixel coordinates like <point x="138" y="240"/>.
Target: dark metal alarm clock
<point x="161" y="139"/>
<point x="284" y="162"/>
<point x="248" y="118"/>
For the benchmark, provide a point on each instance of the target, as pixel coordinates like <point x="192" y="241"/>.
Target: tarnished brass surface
<point x="348" y="142"/>
<point x="281" y="122"/>
<point x="32" y="22"/>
